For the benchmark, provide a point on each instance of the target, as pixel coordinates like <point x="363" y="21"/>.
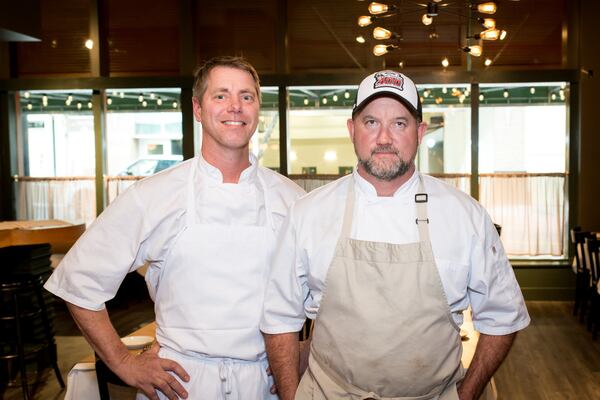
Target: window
<point x="522" y="164"/>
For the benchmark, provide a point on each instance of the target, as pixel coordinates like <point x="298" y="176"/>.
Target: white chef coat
<point x="469" y="255"/>
<point x="142" y="223"/>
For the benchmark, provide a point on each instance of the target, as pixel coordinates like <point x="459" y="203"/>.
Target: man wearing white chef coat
<point x="207" y="228"/>
<point x="385" y="260"/>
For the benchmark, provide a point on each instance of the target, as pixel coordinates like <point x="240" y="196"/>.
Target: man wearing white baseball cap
<point x="385" y="260"/>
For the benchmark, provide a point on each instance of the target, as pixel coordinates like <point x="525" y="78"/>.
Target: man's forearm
<point x="282" y="350"/>
<point x="100" y="333"/>
<point x="489" y="354"/>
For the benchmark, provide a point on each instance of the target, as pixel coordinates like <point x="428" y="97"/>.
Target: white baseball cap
<point x="388" y="83"/>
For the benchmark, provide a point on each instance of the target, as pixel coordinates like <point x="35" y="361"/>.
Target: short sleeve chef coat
<point x="142" y="223"/>
<point x="469" y="255"/>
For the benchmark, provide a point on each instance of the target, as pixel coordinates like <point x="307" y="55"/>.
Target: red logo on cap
<point x="389" y="79"/>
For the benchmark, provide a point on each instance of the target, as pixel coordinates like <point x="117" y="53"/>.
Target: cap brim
<point x="374" y="96"/>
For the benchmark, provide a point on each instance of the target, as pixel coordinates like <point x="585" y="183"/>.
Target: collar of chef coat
<point x="248" y="175"/>
<point x="403" y="193"/>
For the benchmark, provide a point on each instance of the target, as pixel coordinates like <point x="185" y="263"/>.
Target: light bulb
<point x="90" y="105"/>
<point x="26" y="95"/>
<point x="426" y="93"/>
<point x="144" y="103"/>
<point x="44" y="100"/>
<point x="152" y="96"/>
<point x="487" y="62"/>
<point x="175" y="104"/>
<point x="67" y="102"/>
<point x="532" y="90"/>
<point x="502" y="34"/>
<point x="346" y="94"/>
<point x="505" y="94"/>
<point x="445" y="62"/>
<point x="378" y="8"/>
<point x="141" y="98"/>
<point x="439" y="100"/>
<point x="553" y="96"/>
<point x="426" y="20"/>
<point x="364" y="20"/>
<point x="159" y="101"/>
<point x="475" y="50"/>
<point x="89" y="44"/>
<point x="324" y="100"/>
<point x="29" y="106"/>
<point x="360" y="39"/>
<point x="481" y="97"/>
<point x="490" y="34"/>
<point x="306" y="101"/>
<point x="122" y="95"/>
<point x="335" y="97"/>
<point x="79" y="105"/>
<point x="487" y="8"/>
<point x="114" y="93"/>
<point x="380" y="33"/>
<point x="489" y="23"/>
<point x="69" y="98"/>
<point x="109" y="101"/>
<point x="444" y="90"/>
<point x="380" y="50"/>
<point x="401" y="64"/>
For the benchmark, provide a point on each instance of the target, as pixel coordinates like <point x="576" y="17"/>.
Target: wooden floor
<point x="554" y="359"/>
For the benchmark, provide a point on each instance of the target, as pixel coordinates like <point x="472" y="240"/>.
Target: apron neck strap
<point x="349" y="210"/>
<point x="422" y="221"/>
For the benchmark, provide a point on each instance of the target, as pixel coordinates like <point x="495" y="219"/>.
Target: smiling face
<point x="228" y="109"/>
<point x="386" y="137"/>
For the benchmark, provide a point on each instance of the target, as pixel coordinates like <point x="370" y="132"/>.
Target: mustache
<point x="385" y="149"/>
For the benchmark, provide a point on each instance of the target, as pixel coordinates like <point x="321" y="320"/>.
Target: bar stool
<point x="22" y="308"/>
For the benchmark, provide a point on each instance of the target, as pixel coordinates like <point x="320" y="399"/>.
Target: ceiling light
<point x="346" y="94"/>
<point x="487" y="62"/>
<point x="382" y="49"/>
<point x="488" y="23"/>
<point x="502" y="34"/>
<point x="487" y="8"/>
<point x="364" y="20"/>
<point x="532" y="90"/>
<point x="445" y="62"/>
<point x="89" y="44"/>
<point x="474" y="50"/>
<point x="360" y="39"/>
<point x="505" y="94"/>
<point x="380" y="33"/>
<point x="488" y="34"/>
<point x="379" y="8"/>
<point x="426" y="20"/>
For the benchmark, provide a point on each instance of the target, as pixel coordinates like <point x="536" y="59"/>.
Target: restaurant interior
<point x="97" y="94"/>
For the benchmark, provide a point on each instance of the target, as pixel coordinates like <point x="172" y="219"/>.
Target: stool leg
<point x="20" y="348"/>
<point x="49" y="336"/>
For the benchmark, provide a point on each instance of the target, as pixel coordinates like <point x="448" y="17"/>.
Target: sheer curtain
<point x="530" y="208"/>
<point x="68" y="199"/>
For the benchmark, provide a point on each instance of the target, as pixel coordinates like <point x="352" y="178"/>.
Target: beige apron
<point x="384" y="329"/>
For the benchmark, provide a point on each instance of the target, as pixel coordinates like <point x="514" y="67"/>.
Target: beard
<point x="386" y="169"/>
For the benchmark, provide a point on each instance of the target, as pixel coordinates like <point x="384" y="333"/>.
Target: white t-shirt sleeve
<point x="287" y="285"/>
<point x="494" y="293"/>
<point x="92" y="271"/>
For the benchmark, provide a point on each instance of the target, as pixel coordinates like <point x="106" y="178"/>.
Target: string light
<point x="89" y="44"/>
<point x="346" y="94"/>
<point x="79" y="105"/>
<point x="505" y="94"/>
<point x="360" y="39"/>
<point x="532" y="90"/>
<point x="90" y="105"/>
<point x="481" y="97"/>
<point x="445" y="62"/>
<point x="487" y="62"/>
<point x="175" y="104"/>
<point x="45" y="100"/>
<point x="144" y="103"/>
<point x="159" y="101"/>
<point x="109" y="101"/>
<point x="141" y="98"/>
<point x="306" y="101"/>
<point x="324" y="100"/>
<point x="335" y="97"/>
<point x="29" y="106"/>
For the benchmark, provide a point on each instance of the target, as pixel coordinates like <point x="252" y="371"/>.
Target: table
<point x="81" y="382"/>
<point x="60" y="234"/>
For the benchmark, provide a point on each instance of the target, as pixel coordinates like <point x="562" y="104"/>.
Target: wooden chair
<point x="593" y="260"/>
<point x="583" y="282"/>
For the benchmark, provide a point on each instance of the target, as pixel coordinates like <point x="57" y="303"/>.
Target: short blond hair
<point x="201" y="75"/>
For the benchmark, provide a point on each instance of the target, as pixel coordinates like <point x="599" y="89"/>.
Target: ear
<point x="197" y="109"/>
<point x="350" y="125"/>
<point x="421" y="130"/>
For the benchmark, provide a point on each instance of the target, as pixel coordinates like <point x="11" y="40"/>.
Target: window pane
<point x="317" y="130"/>
<point x="143" y="135"/>
<point x="57" y="157"/>
<point x="445" y="150"/>
<point x="522" y="164"/>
